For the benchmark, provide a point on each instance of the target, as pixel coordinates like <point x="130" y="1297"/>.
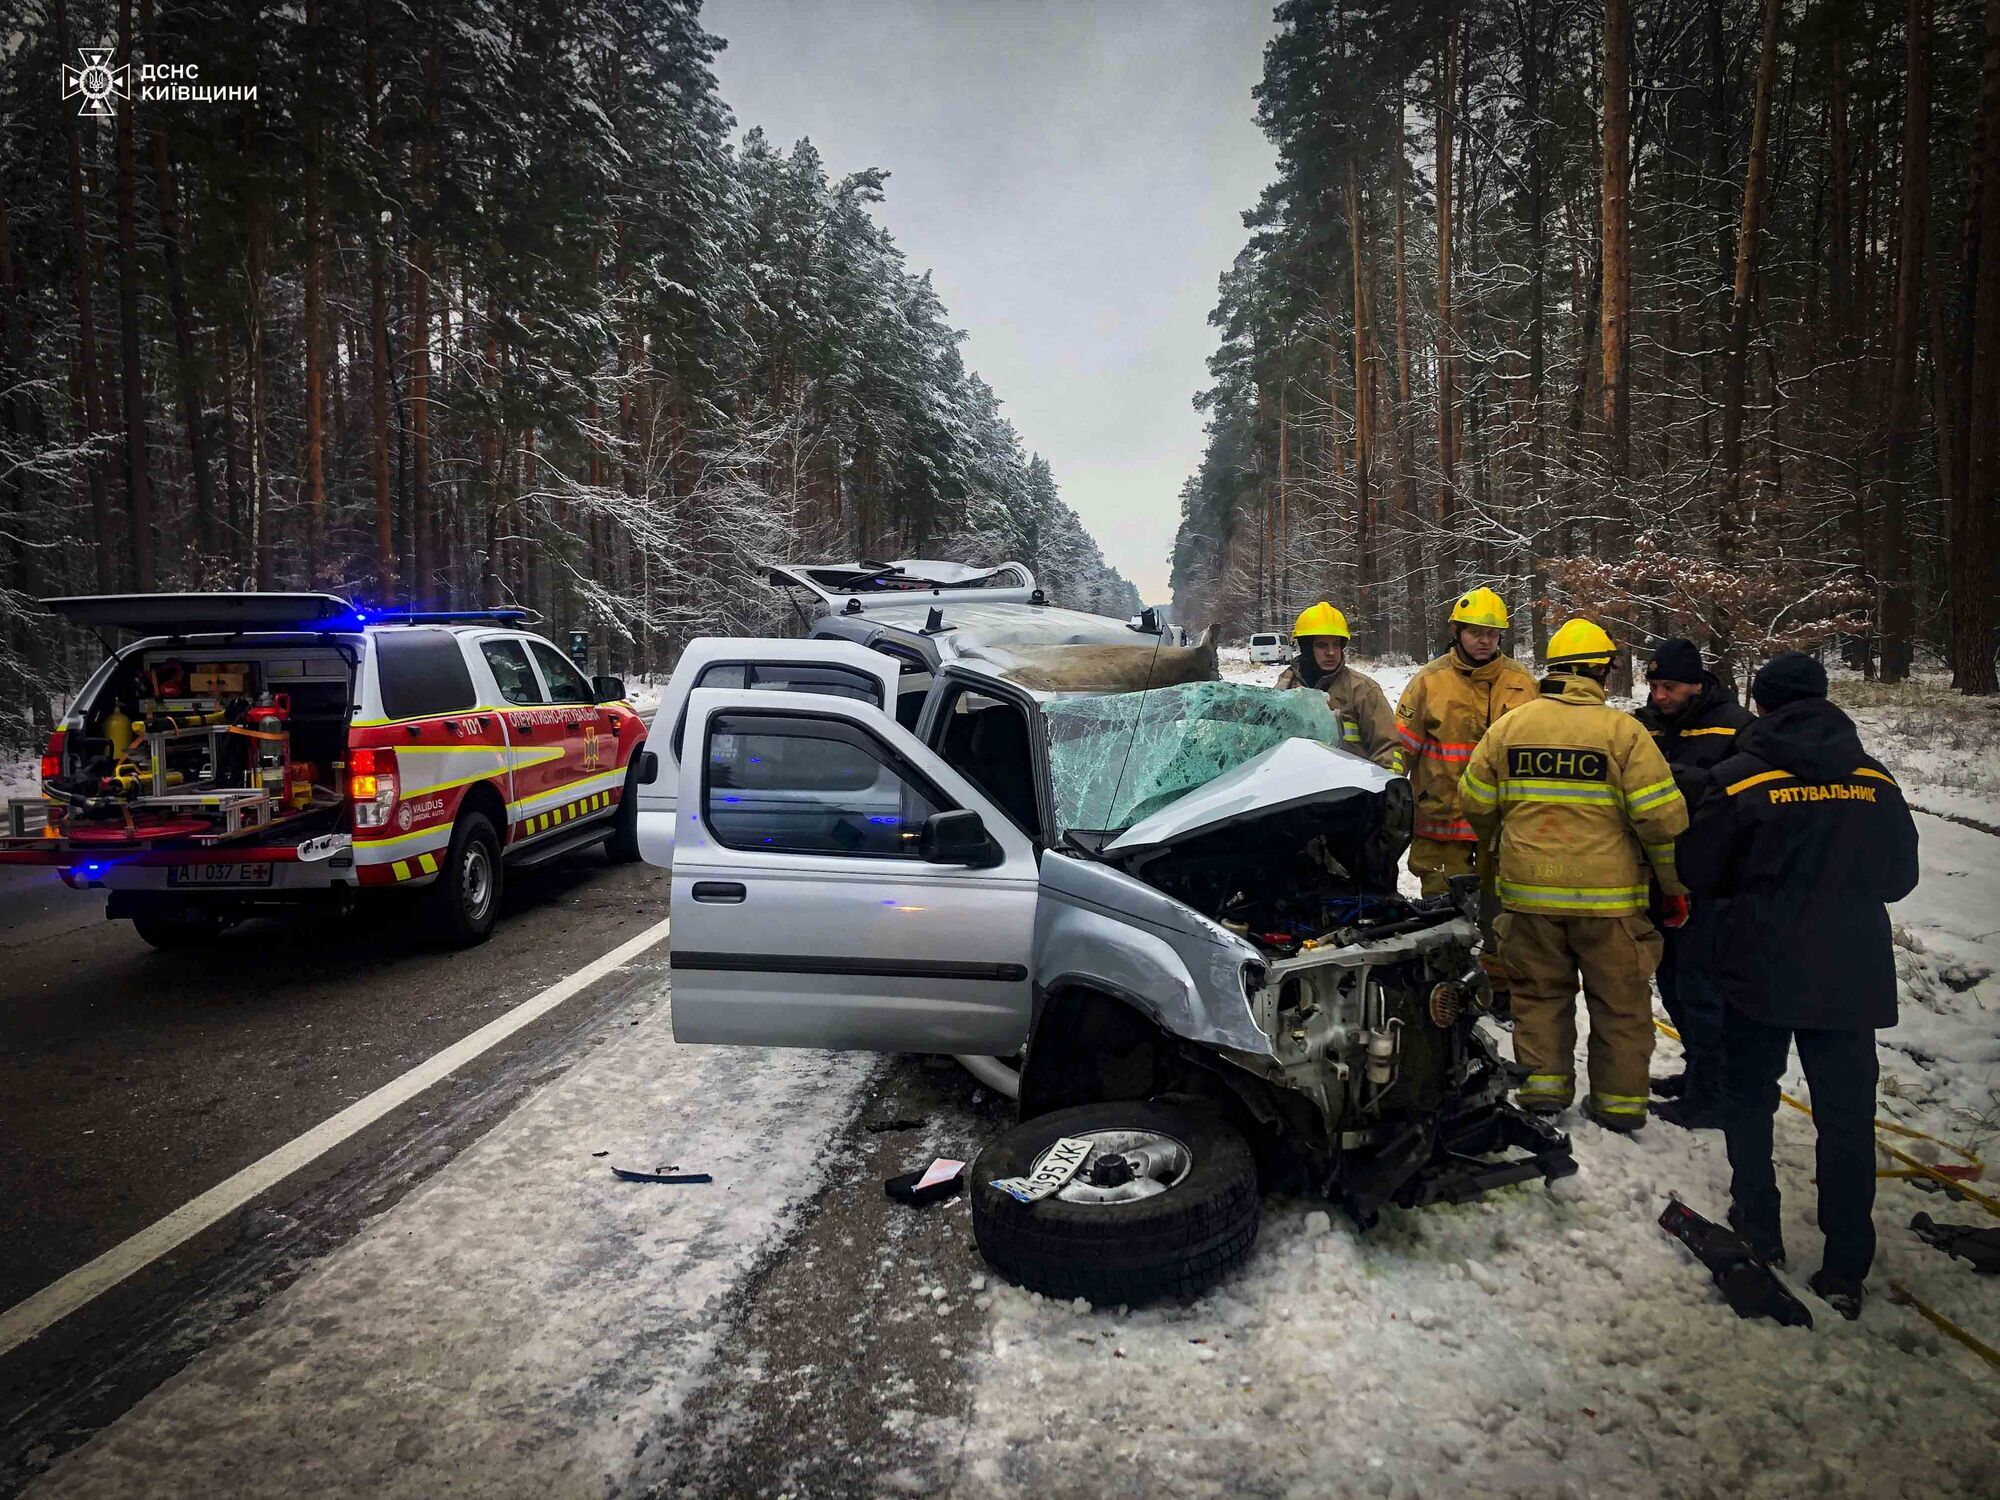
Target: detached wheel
<point x="623" y="845"/>
<point x="1165" y="1204"/>
<point x="461" y="903"/>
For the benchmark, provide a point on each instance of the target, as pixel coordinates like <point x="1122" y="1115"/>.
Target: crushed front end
<point x="1376" y="1026"/>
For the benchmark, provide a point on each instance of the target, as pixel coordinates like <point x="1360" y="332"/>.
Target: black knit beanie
<point x="1786" y="678"/>
<point x="1674" y="660"/>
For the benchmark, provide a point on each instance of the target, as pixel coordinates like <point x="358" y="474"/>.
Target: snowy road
<point x="524" y="1324"/>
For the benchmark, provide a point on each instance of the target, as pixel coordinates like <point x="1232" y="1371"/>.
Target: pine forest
<point x="1685" y="313"/>
<point x="478" y="303"/>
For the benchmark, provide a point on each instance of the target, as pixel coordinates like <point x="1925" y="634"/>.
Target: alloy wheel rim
<point x="1157" y="1162"/>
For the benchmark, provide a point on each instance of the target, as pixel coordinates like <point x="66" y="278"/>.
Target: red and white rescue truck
<point x="266" y="749"/>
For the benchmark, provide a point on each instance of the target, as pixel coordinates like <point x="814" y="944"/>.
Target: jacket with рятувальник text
<point x="1809" y="837"/>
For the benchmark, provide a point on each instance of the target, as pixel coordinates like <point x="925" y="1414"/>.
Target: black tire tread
<point x="442" y="914"/>
<point x="622" y="847"/>
<point x="1178" y="1245"/>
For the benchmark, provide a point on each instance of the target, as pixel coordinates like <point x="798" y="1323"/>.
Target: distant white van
<point x="1267" y="646"/>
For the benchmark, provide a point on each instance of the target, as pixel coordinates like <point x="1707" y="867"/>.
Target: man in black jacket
<point x="1693" y="717"/>
<point x="1808" y="837"/>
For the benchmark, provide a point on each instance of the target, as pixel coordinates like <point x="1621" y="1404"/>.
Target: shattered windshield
<point x="1115" y="758"/>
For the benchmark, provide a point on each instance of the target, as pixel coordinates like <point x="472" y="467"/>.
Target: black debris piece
<point x="1747" y="1284"/>
<point x="1967" y="1242"/>
<point x="904" y="1189"/>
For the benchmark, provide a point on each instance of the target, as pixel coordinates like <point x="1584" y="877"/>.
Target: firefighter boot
<point x="1841" y="1293"/>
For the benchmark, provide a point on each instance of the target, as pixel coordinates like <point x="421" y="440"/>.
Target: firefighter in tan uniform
<point x="1448" y="705"/>
<point x="1579" y="802"/>
<point x="1366" y="725"/>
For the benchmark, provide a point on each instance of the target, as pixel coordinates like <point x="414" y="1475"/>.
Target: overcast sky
<point x="1073" y="172"/>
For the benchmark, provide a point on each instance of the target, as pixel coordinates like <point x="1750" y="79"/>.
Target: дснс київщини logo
<point x="99" y="81"/>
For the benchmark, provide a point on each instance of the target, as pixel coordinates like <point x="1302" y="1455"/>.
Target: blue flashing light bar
<point x="440" y="616"/>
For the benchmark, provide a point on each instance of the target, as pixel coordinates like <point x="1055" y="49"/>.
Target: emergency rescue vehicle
<point x="265" y="749"/>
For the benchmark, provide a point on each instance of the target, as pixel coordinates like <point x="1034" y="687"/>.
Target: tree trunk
<point x="138" y="479"/>
<point x="86" y="332"/>
<point x="1447" y="435"/>
<point x="1364" y="503"/>
<point x="188" y="364"/>
<point x="1615" y="300"/>
<point x="423" y="587"/>
<point x="1972" y="531"/>
<point x="1899" y="428"/>
<point x="232" y="466"/>
<point x="21" y="415"/>
<point x="1615" y="303"/>
<point x="1729" y="519"/>
<point x="378" y="341"/>
<point x="1415" y="638"/>
<point x="262" y="543"/>
<point x="315" y="229"/>
<point x="1538" y="477"/>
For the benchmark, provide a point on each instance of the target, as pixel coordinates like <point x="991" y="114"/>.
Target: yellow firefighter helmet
<point x="1480" y="607"/>
<point x="1321" y="619"/>
<point x="1580" y="643"/>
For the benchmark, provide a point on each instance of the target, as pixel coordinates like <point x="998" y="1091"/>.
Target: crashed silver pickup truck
<point x="1159" y="908"/>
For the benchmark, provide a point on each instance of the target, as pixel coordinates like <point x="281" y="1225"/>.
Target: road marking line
<point x="56" y="1301"/>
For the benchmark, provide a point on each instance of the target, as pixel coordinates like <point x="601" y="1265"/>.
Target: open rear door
<point x="207" y="614"/>
<point x="817" y="900"/>
<point x="836" y="668"/>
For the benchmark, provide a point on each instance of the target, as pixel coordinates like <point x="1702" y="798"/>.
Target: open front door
<point x="819" y="900"/>
<point x="837" y="668"/>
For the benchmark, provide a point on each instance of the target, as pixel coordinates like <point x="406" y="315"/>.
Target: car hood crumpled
<point x="1294" y="774"/>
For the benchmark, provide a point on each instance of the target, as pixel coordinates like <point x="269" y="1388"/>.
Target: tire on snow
<point x="1176" y="1243"/>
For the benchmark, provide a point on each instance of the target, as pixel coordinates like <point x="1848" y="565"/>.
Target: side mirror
<point x="608" y="689"/>
<point x="956" y="838"/>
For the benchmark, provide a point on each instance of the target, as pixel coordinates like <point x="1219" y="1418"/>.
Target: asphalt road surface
<point x="132" y="1080"/>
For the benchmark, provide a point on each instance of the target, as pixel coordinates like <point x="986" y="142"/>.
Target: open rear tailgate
<point x="201" y="614"/>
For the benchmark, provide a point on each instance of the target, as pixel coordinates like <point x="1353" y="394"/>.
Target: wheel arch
<point x="1089" y="1045"/>
<point x="484" y="797"/>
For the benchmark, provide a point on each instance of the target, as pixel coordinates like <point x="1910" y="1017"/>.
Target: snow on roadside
<point x="524" y="1323"/>
<point x="20" y="778"/>
<point x="1555" y="1340"/>
<point x="1938" y="743"/>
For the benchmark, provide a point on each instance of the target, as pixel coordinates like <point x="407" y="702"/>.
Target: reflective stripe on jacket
<point x="1581" y="802"/>
<point x="1448" y="705"/>
<point x="1701" y="736"/>
<point x="1367" y="727"/>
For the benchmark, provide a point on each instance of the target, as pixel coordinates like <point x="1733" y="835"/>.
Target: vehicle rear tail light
<point x="371" y="783"/>
<point x="52" y="758"/>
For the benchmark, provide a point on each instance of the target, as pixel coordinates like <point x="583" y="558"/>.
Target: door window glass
<point x="566" y="684"/>
<point x="802" y="788"/>
<point x="783" y="677"/>
<point x="511" y="670"/>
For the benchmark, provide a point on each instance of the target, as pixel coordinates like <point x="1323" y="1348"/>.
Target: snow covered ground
<point x="520" y="1324"/>
<point x="1556" y="1341"/>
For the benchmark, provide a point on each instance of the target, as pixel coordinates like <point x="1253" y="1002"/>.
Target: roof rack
<point x="843" y="586"/>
